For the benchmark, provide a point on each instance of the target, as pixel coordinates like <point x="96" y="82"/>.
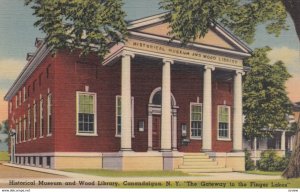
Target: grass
<point x="4" y="156"/>
<point x="111" y="173"/>
<point x="258" y="172"/>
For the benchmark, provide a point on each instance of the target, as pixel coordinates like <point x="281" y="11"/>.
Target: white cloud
<point x="10" y="68"/>
<point x="291" y="57"/>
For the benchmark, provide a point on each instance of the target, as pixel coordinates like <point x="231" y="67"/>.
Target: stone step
<point x="205" y="170"/>
<point x="195" y="154"/>
<point x="196" y="157"/>
<point x="197" y="160"/>
<point x="200" y="167"/>
<point x="194" y="163"/>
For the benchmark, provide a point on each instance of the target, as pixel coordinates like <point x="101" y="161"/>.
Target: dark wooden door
<point x="156" y="132"/>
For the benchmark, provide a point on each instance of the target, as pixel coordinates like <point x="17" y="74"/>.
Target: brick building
<point x="150" y="102"/>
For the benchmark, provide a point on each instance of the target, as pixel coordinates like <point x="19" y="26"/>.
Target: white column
<point x="207" y="109"/>
<point x="150" y="131"/>
<point x="174" y="132"/>
<point x="165" y="139"/>
<point x="126" y="101"/>
<point x="238" y="113"/>
<point x="282" y="147"/>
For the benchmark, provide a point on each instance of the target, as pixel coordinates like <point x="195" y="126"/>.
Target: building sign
<point x="182" y="52"/>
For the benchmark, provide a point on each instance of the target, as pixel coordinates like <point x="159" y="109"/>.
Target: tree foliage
<point x="4" y="130"/>
<point x="91" y="25"/>
<point x="265" y="101"/>
<point x="192" y="19"/>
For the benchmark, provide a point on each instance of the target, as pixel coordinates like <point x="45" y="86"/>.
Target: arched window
<point x="156" y="97"/>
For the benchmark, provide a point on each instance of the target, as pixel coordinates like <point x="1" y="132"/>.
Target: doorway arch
<point x="154" y="114"/>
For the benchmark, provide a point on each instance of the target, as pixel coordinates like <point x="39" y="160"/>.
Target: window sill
<point x="34" y="138"/>
<point x="87" y="134"/>
<point x="49" y="135"/>
<point x="224" y="139"/>
<point x="119" y="136"/>
<point x="41" y="137"/>
<point x="195" y="138"/>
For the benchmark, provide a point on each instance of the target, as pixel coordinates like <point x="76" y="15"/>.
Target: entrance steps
<point x="197" y="163"/>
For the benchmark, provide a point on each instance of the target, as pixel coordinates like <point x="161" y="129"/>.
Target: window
<point x="10" y="107"/>
<point x="49" y="113"/>
<point x="16" y="99"/>
<point x="20" y="130"/>
<point x="41" y="117"/>
<point x="24" y="128"/>
<point x="29" y="122"/>
<point x="48" y="71"/>
<point x="24" y="94"/>
<point x="196" y="120"/>
<point x="223" y="122"/>
<point x="20" y="97"/>
<point x="28" y="91"/>
<point x="34" y="119"/>
<point x="17" y="132"/>
<point x="86" y="113"/>
<point x="41" y="161"/>
<point x="119" y="116"/>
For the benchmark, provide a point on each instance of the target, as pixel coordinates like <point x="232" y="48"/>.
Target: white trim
<point x="157" y="89"/>
<point x="166" y="39"/>
<point x="49" y="112"/>
<point x="183" y="60"/>
<point x="34" y="119"/>
<point x="229" y="124"/>
<point x="146" y="21"/>
<point x="24" y="128"/>
<point x="116" y="117"/>
<point x="41" y="115"/>
<point x="29" y="122"/>
<point x="95" y="113"/>
<point x="196" y="137"/>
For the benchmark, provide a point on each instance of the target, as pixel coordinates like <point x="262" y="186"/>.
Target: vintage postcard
<point x="106" y="94"/>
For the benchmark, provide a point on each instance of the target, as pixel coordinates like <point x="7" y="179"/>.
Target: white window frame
<point x="24" y="128"/>
<point x="20" y="97"/>
<point x="41" y="124"/>
<point x="196" y="137"/>
<point x="229" y="124"/>
<point x="17" y="132"/>
<point x="16" y="101"/>
<point x="29" y="122"/>
<point x="24" y="94"/>
<point x="49" y="113"/>
<point x="132" y="116"/>
<point x="95" y="113"/>
<point x="20" y="130"/>
<point x="34" y="120"/>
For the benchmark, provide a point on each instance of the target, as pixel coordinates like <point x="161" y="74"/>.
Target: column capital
<point x="237" y="72"/>
<point x="209" y="67"/>
<point x="128" y="53"/>
<point x="166" y="60"/>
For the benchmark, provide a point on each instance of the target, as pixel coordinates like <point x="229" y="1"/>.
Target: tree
<point x="293" y="168"/>
<point x="192" y="19"/>
<point x="265" y="101"/>
<point x="4" y="130"/>
<point x="85" y="25"/>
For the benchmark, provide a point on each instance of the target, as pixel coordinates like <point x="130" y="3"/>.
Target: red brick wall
<point x="71" y="73"/>
<point x="45" y="144"/>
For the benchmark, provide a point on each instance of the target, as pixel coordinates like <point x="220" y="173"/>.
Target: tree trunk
<point x="293" y="169"/>
<point x="293" y="8"/>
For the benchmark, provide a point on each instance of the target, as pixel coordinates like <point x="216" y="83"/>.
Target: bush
<point x="249" y="163"/>
<point x="271" y="162"/>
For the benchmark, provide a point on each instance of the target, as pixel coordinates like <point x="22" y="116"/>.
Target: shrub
<point x="249" y="163"/>
<point x="271" y="162"/>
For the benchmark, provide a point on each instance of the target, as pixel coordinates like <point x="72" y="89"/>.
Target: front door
<point x="156" y="132"/>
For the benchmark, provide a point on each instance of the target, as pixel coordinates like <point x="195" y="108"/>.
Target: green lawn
<point x="4" y="156"/>
<point x="257" y="172"/>
<point x="110" y="173"/>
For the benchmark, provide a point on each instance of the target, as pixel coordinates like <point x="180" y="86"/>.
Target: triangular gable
<point x="217" y="36"/>
<point x="211" y="38"/>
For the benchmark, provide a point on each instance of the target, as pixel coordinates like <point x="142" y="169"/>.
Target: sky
<point x="17" y="36"/>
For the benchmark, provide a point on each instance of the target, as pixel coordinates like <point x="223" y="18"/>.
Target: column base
<point x="126" y="149"/>
<point x="206" y="150"/>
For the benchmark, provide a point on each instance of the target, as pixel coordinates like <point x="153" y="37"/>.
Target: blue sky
<point x="17" y="36"/>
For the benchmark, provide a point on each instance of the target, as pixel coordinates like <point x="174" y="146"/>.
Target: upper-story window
<point x="34" y="120"/>
<point x="48" y="71"/>
<point x="49" y="113"/>
<point x="24" y="128"/>
<point x="16" y="101"/>
<point x="223" y="122"/>
<point x="29" y="122"/>
<point x="41" y="117"/>
<point x="196" y="120"/>
<point x="20" y="97"/>
<point x="86" y="113"/>
<point x="24" y="94"/>
<point x="28" y="91"/>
